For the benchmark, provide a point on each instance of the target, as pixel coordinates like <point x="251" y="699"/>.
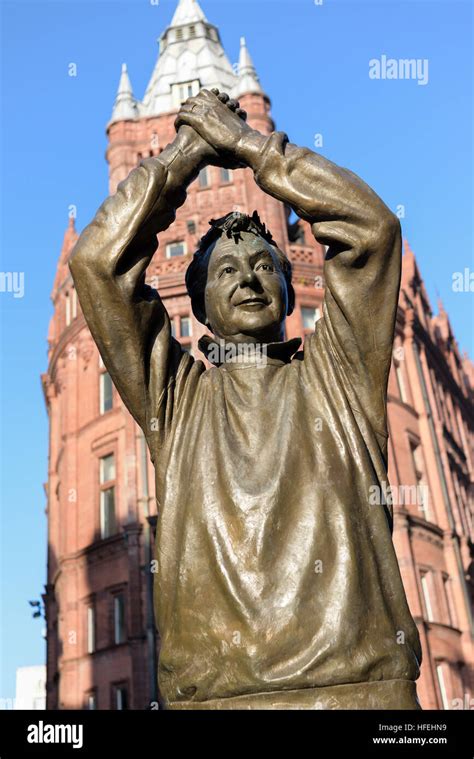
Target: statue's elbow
<point x="75" y="262"/>
<point x="86" y="260"/>
<point x="386" y="230"/>
<point x="393" y="225"/>
<point x="80" y="263"/>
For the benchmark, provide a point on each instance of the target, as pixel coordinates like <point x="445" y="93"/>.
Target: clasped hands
<point x="213" y="127"/>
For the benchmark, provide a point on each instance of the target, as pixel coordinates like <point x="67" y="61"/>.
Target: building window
<point x="401" y="382"/>
<point x="120" y="697"/>
<point x="107" y="469"/>
<point x="119" y="618"/>
<point x="422" y="487"/>
<point x="74" y="303"/>
<point x="226" y="176"/>
<point x="454" y="417"/>
<point x="309" y="317"/>
<point x="443" y="405"/>
<point x="192" y="31"/>
<point x="108" y="523"/>
<point x="185" y="326"/>
<point x="106" y="393"/>
<point x="440" y="672"/>
<point x="434" y="385"/>
<point x="461" y="499"/>
<point x="175" y="249"/>
<point x="426" y="586"/>
<point x="204" y="178"/>
<point x="179" y="34"/>
<point x="154" y="143"/>
<point x="191" y="226"/>
<point x="173" y="328"/>
<point x="68" y="310"/>
<point x="449" y="598"/>
<point x="91" y="701"/>
<point x="90" y="629"/>
<point x="185" y="90"/>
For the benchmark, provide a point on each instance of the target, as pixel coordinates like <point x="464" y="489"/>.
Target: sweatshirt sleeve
<point x="126" y="317"/>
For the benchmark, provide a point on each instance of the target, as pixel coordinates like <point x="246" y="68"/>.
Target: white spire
<point x="248" y="79"/>
<point x="125" y="106"/>
<point x="191" y="57"/>
<point x="187" y="12"/>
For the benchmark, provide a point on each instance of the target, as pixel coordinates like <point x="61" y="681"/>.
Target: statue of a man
<point x="277" y="585"/>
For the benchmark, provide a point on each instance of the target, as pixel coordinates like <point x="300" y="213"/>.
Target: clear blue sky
<point x="412" y="143"/>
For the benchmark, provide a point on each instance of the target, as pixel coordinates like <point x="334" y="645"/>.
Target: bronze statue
<point x="277" y="586"/>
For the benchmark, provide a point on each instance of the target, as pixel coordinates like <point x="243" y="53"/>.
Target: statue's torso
<point x="274" y="572"/>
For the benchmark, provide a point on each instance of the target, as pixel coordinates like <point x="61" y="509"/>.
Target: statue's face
<point x="246" y="296"/>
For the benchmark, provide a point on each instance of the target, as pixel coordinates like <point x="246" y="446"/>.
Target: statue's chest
<point x="251" y="409"/>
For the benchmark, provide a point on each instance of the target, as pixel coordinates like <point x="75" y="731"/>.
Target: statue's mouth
<point x="255" y="301"/>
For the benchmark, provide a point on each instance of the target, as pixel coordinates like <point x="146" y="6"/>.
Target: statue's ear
<point x="291" y="300"/>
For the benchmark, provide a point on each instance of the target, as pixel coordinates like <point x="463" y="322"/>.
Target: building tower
<point x="102" y="645"/>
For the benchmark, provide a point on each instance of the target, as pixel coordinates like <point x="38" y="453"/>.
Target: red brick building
<point x="101" y="637"/>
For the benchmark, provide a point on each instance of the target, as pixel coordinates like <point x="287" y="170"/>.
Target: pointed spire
<point x="70" y="237"/>
<point x="125" y="106"/>
<point x="69" y="240"/>
<point x="441" y="309"/>
<point x="442" y="319"/>
<point x="410" y="274"/>
<point x="187" y="12"/>
<point x="71" y="232"/>
<point x="248" y="83"/>
<point x="408" y="264"/>
<point x="191" y="57"/>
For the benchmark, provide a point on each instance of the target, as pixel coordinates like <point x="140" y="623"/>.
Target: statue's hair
<point x="231" y="225"/>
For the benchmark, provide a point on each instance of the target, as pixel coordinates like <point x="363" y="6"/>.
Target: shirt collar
<point x="218" y="352"/>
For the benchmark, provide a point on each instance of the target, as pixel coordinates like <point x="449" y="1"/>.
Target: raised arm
<point x="126" y="317"/>
<point x="362" y="267"/>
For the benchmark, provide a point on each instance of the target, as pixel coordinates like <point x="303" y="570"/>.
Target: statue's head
<point x="239" y="281"/>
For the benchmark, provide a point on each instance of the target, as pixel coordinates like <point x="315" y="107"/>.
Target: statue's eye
<point x="265" y="267"/>
<point x="228" y="270"/>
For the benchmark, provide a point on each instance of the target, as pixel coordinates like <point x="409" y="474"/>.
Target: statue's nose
<point x="247" y="277"/>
